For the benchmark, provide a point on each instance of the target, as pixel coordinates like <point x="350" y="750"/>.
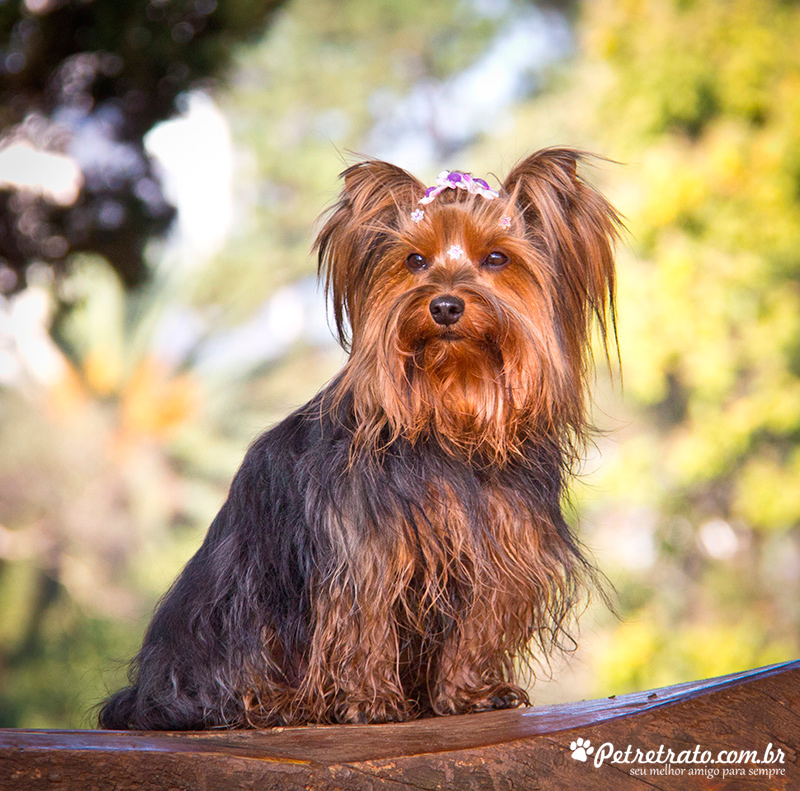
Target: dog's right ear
<point x="575" y="228"/>
<point x="361" y="225"/>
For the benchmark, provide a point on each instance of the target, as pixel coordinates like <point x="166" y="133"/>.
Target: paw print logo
<point x="581" y="749"/>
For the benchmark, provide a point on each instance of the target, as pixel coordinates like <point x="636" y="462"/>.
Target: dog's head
<point x="468" y="310"/>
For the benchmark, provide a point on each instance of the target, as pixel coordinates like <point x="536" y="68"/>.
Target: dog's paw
<point x="506" y="699"/>
<point x="475" y="701"/>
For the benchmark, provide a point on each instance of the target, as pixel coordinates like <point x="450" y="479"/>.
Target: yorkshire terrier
<point x="396" y="547"/>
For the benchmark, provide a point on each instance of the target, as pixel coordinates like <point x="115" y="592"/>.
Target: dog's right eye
<point x="416" y="262"/>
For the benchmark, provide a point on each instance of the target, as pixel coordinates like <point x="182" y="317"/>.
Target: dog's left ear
<point x="361" y="225"/>
<point x="575" y="228"/>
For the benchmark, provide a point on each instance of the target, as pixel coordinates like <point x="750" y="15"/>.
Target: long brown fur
<point x="396" y="547"/>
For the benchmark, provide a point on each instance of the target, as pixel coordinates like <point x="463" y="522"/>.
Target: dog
<point x="396" y="547"/>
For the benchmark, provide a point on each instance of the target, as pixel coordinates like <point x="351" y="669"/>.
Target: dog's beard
<point x="457" y="388"/>
<point x="481" y="385"/>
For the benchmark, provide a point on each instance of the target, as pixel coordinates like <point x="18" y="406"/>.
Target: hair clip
<point x="505" y="221"/>
<point x="456" y="180"/>
<point x="455" y="251"/>
<point x="417" y="215"/>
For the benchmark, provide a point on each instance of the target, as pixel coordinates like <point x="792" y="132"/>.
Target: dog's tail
<point x="135" y="710"/>
<point x="117" y="713"/>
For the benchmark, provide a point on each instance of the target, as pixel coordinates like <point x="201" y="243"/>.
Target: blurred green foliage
<point x="700" y="473"/>
<point x="112" y="470"/>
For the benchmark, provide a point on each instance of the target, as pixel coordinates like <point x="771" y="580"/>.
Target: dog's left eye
<point x="416" y="262"/>
<point x="495" y="260"/>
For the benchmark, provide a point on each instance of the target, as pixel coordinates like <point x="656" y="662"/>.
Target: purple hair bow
<point x="455" y="179"/>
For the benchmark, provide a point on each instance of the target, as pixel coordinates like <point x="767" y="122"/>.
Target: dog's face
<point x="469" y="318"/>
<point x="462" y="314"/>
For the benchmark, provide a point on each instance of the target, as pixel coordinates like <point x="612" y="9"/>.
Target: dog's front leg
<point x="474" y="670"/>
<point x="353" y="671"/>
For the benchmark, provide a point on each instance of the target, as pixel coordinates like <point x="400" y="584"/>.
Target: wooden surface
<point x="524" y="749"/>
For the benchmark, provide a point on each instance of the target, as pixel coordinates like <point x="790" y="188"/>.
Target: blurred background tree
<point x="124" y="412"/>
<point x="81" y="84"/>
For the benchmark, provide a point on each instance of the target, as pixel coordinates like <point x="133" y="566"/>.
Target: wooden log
<point x="700" y="722"/>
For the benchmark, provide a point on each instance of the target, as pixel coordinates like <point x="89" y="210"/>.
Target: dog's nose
<point x="447" y="310"/>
